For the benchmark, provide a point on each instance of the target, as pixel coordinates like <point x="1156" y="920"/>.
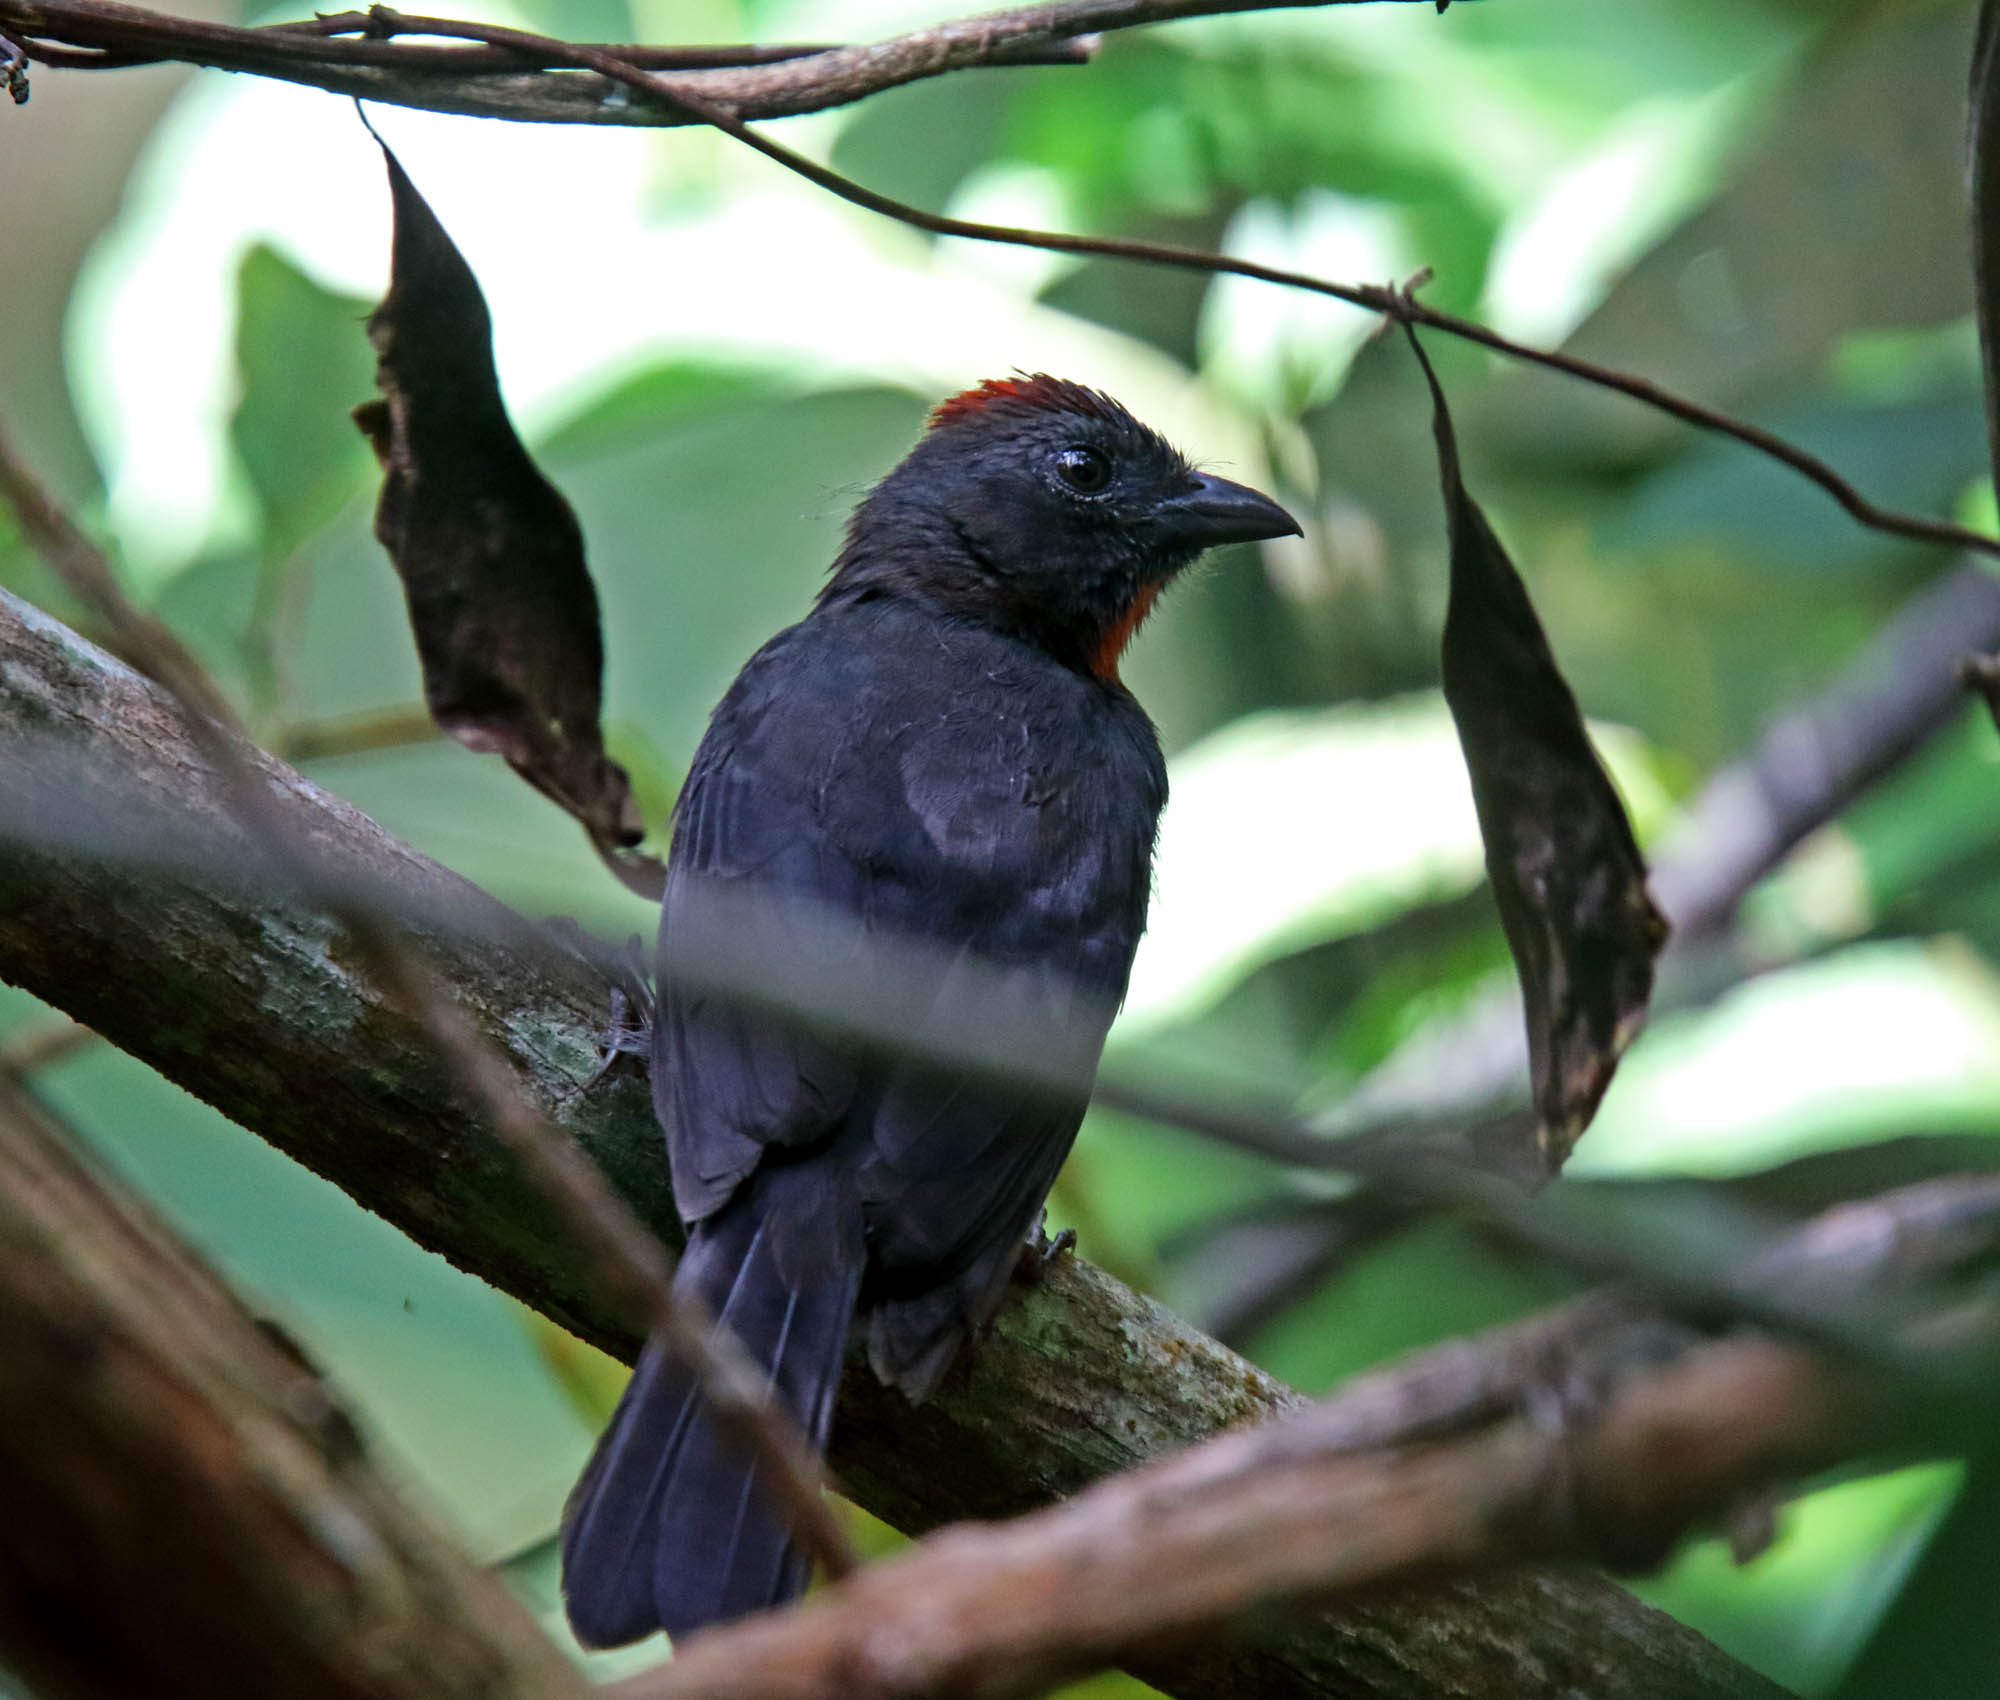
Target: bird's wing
<point x="905" y="790"/>
<point x="749" y="873"/>
<point x="1027" y="813"/>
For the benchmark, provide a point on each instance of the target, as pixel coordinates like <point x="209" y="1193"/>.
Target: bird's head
<point x="1046" y="509"/>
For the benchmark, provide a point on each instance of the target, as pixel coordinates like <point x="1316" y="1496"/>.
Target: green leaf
<point x="1870" y="1042"/>
<point x="302" y="363"/>
<point x="1847" y="214"/>
<point x="1291" y="828"/>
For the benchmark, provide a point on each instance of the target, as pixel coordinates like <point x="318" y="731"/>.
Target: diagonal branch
<point x="1603" y="1431"/>
<point x="631" y="1261"/>
<point x="126" y="909"/>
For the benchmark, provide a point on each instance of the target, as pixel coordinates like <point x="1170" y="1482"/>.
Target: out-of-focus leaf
<point x="1290" y="829"/>
<point x="1916" y="453"/>
<point x="962" y="119"/>
<point x="295" y="339"/>
<point x="1241" y="1271"/>
<point x="593" y="1380"/>
<point x="1798" y="1611"/>
<point x="1747" y="296"/>
<point x="1937" y="1639"/>
<point x="490" y="555"/>
<point x="1566" y="870"/>
<point x="1439" y="1280"/>
<point x="1871" y="1042"/>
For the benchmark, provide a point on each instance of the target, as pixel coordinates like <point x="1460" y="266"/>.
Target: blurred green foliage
<point x="1755" y="201"/>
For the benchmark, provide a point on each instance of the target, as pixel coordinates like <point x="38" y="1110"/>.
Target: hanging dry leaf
<point x="1566" y="871"/>
<point x="490" y="555"/>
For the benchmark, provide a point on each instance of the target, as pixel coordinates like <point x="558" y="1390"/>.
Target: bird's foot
<point x="1039" y="1254"/>
<point x="628" y="1029"/>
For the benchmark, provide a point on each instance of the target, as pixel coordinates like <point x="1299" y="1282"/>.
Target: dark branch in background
<point x="847" y="74"/>
<point x="631" y="1260"/>
<point x="1816" y="760"/>
<point x="139" y="922"/>
<point x="189" y="1511"/>
<point x="14" y="70"/>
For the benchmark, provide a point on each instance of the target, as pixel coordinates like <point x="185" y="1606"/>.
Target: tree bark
<point x="188" y="1512"/>
<point x="130" y="899"/>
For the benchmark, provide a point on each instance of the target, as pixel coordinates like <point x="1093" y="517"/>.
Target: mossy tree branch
<point x="133" y="901"/>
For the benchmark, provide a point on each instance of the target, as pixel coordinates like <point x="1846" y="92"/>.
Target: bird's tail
<point x="669" y="1527"/>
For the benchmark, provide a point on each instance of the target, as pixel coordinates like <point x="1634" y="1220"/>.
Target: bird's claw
<point x="628" y="1029"/>
<point x="1040" y="1253"/>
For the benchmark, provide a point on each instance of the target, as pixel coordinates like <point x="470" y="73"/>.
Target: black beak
<point x="1213" y="510"/>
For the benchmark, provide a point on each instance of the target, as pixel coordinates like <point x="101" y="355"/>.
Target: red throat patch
<point x="1104" y="659"/>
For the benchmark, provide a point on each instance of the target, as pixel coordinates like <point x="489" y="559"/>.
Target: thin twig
<point x="745" y="81"/>
<point x="636" y="1266"/>
<point x="362" y="733"/>
<point x="1395" y="303"/>
<point x="135" y="38"/>
<point x="724" y="99"/>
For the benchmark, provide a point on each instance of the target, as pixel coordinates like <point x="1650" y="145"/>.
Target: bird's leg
<point x="627" y="1033"/>
<point x="628" y="1029"/>
<point x="1039" y="1253"/>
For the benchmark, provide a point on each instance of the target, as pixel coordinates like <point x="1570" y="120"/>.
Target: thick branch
<point x="415" y="74"/>
<point x="1210" y="1537"/>
<point x="147" y="937"/>
<point x="1605" y="1432"/>
<point x="192" y="1486"/>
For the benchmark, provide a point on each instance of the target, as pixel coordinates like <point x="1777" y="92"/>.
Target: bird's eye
<point x="1085" y="470"/>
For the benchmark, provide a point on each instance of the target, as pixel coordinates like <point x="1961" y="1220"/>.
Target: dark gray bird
<point x="941" y="752"/>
